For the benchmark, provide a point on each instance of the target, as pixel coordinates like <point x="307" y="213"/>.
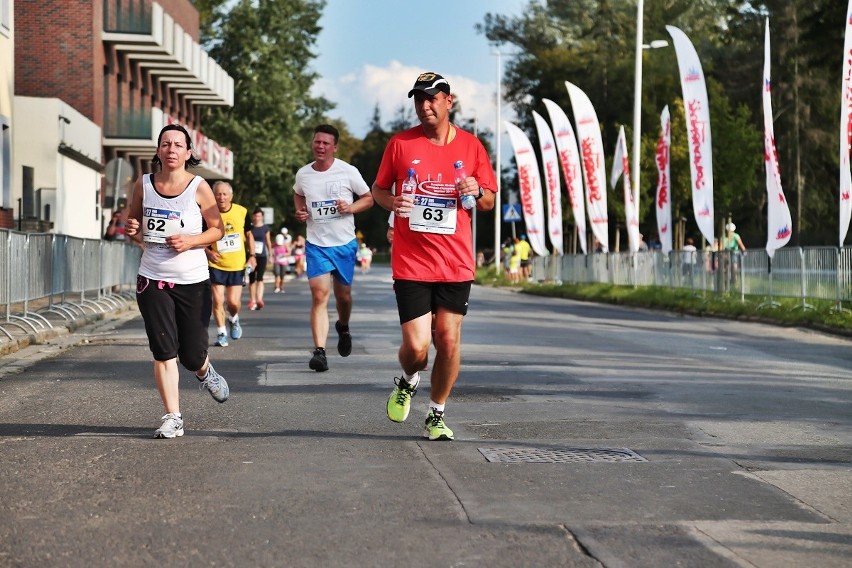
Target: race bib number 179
<point x="324" y="211"/>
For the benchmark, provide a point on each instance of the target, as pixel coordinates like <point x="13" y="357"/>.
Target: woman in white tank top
<point x="173" y="285"/>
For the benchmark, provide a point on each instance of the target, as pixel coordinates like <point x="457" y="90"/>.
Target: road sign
<point x="511" y="212"/>
<point x="119" y="179"/>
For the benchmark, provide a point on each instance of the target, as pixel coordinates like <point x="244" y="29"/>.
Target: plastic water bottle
<point x="409" y="186"/>
<point x="467" y="201"/>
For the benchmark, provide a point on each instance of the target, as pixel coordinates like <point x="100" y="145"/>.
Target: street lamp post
<point x="497" y="137"/>
<point x="473" y="211"/>
<point x="637" y="93"/>
<point x="637" y="98"/>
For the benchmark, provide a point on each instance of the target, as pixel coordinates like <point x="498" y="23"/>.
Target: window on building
<point x="6" y="17"/>
<point x="5" y="162"/>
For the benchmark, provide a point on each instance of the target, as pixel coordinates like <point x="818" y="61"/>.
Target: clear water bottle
<point x="467" y="201"/>
<point x="409" y="186"/>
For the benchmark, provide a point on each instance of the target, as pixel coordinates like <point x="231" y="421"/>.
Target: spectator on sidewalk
<point x="689" y="258"/>
<point x="525" y="251"/>
<point x="115" y="229"/>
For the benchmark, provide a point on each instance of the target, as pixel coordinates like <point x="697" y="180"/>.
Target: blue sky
<point x="371" y="51"/>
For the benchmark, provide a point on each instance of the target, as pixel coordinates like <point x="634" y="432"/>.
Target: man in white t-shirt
<point x="690" y="254"/>
<point x="328" y="193"/>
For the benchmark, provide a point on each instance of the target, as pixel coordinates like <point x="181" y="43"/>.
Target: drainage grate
<point x="560" y="455"/>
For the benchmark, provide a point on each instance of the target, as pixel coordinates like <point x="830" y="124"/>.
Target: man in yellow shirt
<point x="524" y="249"/>
<point x="227" y="261"/>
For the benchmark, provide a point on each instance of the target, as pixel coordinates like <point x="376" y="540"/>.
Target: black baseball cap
<point x="430" y="83"/>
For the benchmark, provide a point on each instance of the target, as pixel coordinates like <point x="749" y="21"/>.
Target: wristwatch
<point x="481" y="193"/>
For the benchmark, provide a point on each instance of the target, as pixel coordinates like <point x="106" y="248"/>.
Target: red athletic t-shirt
<point x="429" y="246"/>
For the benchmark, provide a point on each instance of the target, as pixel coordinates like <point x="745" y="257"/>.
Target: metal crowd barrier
<point x="810" y="273"/>
<point x="47" y="278"/>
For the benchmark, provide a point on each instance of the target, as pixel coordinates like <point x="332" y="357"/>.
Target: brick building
<point x="94" y="82"/>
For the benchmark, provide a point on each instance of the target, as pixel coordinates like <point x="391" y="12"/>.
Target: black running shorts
<point x="414" y="299"/>
<point x="227" y="278"/>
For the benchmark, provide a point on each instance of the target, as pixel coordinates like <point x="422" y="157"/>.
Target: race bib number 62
<point x="157" y="224"/>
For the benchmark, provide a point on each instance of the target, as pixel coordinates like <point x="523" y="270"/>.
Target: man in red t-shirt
<point x="432" y="253"/>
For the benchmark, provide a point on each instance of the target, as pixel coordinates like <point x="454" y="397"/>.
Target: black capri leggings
<point x="176" y="319"/>
<point x="259" y="271"/>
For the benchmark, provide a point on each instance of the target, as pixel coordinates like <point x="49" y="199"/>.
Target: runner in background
<point x="262" y="250"/>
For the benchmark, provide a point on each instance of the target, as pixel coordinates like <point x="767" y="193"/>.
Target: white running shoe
<point x="172" y="426"/>
<point x="215" y="383"/>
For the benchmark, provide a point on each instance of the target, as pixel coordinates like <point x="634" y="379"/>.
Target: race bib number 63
<point x="434" y="215"/>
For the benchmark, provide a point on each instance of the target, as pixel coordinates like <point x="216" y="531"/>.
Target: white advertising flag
<point x="846" y="130"/>
<point x="779" y="223"/>
<point x="551" y="182"/>
<point x="621" y="168"/>
<point x="697" y="110"/>
<point x="663" y="201"/>
<point x="569" y="157"/>
<point x="592" y="162"/>
<point x="530" y="182"/>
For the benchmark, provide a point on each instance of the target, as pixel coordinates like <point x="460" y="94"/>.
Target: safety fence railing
<point x="809" y="273"/>
<point x="47" y="278"/>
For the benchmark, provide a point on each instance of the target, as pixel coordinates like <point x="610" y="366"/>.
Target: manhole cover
<point x="560" y="455"/>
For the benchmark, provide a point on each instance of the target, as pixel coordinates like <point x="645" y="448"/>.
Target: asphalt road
<point x="671" y="441"/>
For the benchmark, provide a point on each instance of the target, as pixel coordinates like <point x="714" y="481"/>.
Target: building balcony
<point x="146" y="34"/>
<point x="127" y="124"/>
<point x="134" y="135"/>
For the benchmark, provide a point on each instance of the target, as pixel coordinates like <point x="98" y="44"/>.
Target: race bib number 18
<point x="231" y="242"/>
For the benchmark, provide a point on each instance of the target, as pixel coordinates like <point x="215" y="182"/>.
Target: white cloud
<point x="356" y="95"/>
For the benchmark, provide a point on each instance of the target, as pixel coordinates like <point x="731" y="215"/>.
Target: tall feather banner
<point x="846" y="130"/>
<point x="697" y="109"/>
<point x="592" y="161"/>
<point x="551" y="182"/>
<point x="663" y="201"/>
<point x="569" y="158"/>
<point x="530" y="182"/>
<point x="779" y="223"/>
<point x="621" y="168"/>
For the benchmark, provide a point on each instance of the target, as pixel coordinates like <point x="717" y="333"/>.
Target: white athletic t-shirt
<point x="321" y="190"/>
<point x="164" y="216"/>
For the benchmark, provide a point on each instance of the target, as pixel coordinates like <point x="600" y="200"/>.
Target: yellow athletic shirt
<point x="232" y="247"/>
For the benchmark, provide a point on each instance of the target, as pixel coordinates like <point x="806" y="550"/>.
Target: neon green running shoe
<point x="399" y="402"/>
<point x="435" y="429"/>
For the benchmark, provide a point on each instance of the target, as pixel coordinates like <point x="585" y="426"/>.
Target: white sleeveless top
<point x="163" y="216"/>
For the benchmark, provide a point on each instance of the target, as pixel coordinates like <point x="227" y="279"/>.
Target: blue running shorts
<point x="340" y="261"/>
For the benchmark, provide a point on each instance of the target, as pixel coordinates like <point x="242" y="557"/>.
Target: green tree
<point x="373" y="223"/>
<point x="590" y="43"/>
<point x="266" y="46"/>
